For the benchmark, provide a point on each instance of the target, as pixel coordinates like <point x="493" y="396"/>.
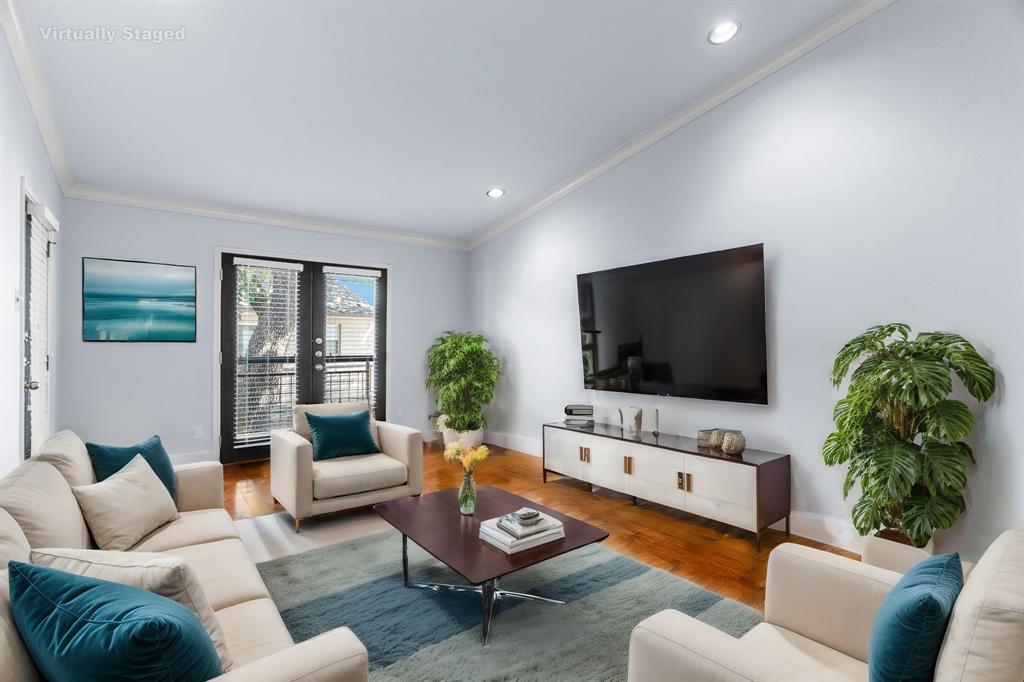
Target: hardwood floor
<point x="717" y="556"/>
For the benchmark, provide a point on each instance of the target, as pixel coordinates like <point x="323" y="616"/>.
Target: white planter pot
<point x="469" y="439"/>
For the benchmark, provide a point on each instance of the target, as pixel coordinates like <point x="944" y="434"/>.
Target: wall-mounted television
<point x="692" y="327"/>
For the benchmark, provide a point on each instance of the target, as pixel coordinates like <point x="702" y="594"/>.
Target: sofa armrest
<point x="291" y="472"/>
<point x="825" y="597"/>
<point x="334" y="656"/>
<point x="406" y="445"/>
<point x="199" y="485"/>
<point x="673" y="646"/>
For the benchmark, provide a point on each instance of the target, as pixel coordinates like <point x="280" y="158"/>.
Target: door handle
<point x="689" y="483"/>
<point x="318" y="367"/>
<point x="681" y="480"/>
<point x="32" y="385"/>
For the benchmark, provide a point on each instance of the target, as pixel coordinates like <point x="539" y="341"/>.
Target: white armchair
<point x="819" y="610"/>
<point x="305" y="487"/>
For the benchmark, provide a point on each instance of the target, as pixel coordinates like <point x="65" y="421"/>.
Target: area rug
<point x="421" y="635"/>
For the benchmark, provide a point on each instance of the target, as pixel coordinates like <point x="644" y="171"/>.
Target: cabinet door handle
<point x="689" y="483"/>
<point x="627" y="465"/>
<point x="581" y="453"/>
<point x="586" y="455"/>
<point x="681" y="480"/>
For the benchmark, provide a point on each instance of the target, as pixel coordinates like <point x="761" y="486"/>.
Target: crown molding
<point x="247" y="215"/>
<point x="823" y="32"/>
<point x="15" y="27"/>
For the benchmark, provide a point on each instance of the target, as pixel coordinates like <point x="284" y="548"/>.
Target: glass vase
<point x="467" y="495"/>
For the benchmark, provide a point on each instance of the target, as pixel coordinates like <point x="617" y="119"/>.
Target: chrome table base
<point x="488" y="590"/>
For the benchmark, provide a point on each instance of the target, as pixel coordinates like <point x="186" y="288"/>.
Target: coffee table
<point x="433" y="522"/>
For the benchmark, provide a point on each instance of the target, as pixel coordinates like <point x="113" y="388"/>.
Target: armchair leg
<point x="298" y="525"/>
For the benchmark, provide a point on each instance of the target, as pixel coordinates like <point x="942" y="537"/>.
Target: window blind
<point x="37" y="341"/>
<point x="266" y="368"/>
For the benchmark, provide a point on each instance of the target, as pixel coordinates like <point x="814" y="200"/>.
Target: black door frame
<point x="311" y="325"/>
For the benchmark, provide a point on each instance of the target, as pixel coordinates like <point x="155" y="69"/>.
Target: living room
<point x="512" y="341"/>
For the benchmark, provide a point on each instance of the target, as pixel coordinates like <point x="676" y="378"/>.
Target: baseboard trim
<point x="192" y="457"/>
<point x="512" y="441"/>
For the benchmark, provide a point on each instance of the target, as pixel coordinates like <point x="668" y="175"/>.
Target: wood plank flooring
<point x="717" y="556"/>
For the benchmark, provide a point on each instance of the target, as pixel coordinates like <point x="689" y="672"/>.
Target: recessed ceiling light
<point x="496" y="193"/>
<point x="724" y="32"/>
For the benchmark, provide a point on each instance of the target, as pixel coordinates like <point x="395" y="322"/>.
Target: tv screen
<point x="692" y="327"/>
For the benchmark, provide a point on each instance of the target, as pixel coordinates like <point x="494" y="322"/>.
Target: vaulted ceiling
<point x="398" y="115"/>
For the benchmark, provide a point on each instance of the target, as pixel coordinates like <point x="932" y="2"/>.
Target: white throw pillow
<point x="157" y="573"/>
<point x="127" y="506"/>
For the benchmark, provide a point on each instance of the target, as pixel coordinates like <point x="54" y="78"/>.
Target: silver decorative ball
<point x="733" y="443"/>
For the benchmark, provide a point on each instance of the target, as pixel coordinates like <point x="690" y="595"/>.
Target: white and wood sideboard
<point x="749" y="491"/>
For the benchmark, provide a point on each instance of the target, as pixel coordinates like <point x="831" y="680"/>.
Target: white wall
<point x="883" y="172"/>
<point x="23" y="156"/>
<point x="122" y="392"/>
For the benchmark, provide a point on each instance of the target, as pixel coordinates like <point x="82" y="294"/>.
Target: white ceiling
<point x="397" y="115"/>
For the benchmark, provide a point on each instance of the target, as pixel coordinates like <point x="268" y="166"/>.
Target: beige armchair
<point x="305" y="487"/>
<point x="819" y="609"/>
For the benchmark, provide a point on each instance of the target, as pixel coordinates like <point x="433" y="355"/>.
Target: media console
<point x="750" y="491"/>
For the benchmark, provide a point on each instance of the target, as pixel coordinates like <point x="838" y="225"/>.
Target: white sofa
<point x="305" y="487"/>
<point x="38" y="509"/>
<point x="819" y="609"/>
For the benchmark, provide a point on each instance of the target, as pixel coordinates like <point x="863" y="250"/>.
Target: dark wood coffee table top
<point x="434" y="522"/>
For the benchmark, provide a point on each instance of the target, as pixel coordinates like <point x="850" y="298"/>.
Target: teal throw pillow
<point x="90" y="630"/>
<point x="911" y="624"/>
<point x="341" y="435"/>
<point x="107" y="460"/>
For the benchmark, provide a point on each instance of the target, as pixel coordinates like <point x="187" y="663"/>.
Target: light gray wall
<point x="23" y="156"/>
<point x="883" y="172"/>
<point x="122" y="392"/>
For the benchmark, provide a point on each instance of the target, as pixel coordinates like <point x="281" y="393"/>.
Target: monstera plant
<point x="898" y="431"/>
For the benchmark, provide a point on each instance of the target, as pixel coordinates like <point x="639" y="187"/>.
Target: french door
<point x="296" y="332"/>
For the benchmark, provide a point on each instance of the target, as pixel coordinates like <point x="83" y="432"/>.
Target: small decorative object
<point x="634" y="418"/>
<point x="124" y="300"/>
<point x="656" y="424"/>
<point x="704" y="437"/>
<point x="733" y="442"/>
<point x="716" y="438"/>
<point x="469" y="458"/>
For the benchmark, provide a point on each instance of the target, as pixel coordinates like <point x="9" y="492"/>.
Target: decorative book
<point x="491" y="533"/>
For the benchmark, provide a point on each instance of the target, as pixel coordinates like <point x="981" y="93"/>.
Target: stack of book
<point x="521" y="530"/>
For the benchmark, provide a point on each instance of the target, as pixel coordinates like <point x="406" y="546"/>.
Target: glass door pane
<point x="349" y="335"/>
<point x="266" y="373"/>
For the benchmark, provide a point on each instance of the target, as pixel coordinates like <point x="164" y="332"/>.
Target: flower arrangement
<point x="469" y="458"/>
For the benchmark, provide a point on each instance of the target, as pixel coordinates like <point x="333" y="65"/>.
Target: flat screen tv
<point x="692" y="327"/>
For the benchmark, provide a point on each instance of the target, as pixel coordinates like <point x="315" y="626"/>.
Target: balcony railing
<point x="265" y="391"/>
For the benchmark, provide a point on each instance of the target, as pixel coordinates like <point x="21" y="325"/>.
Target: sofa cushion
<point x="157" y="573"/>
<point x="822" y="662"/>
<point x="15" y="661"/>
<point x="253" y="629"/>
<point x="66" y="451"/>
<point x="910" y="625"/>
<point x="190" y="528"/>
<point x="356" y="474"/>
<point x="225" y="571"/>
<point x="107" y="460"/>
<point x="341" y="435"/>
<point x="122" y="509"/>
<point x="42" y="503"/>
<point x="301" y="426"/>
<point x="13" y="543"/>
<point x="983" y="640"/>
<point x="86" y="629"/>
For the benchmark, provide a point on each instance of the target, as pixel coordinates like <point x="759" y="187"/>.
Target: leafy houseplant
<point x="899" y="433"/>
<point x="463" y="372"/>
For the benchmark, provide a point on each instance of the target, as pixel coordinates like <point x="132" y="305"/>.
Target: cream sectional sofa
<point x="819" y="610"/>
<point x="38" y="509"/>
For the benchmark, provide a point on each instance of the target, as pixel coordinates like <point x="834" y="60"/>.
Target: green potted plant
<point x="463" y="373"/>
<point x="898" y="432"/>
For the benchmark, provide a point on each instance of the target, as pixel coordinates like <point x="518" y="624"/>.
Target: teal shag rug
<point x="420" y="635"/>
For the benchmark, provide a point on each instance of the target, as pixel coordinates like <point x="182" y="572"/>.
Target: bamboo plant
<point x="899" y="433"/>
